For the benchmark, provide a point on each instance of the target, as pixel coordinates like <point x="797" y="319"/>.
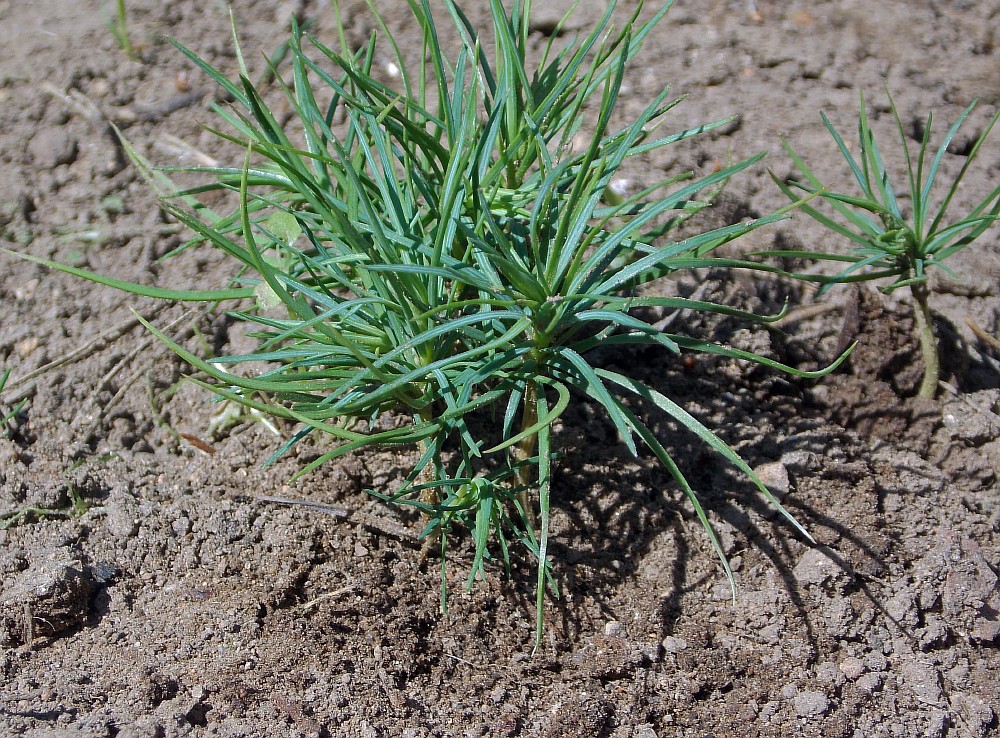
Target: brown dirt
<point x="179" y="604"/>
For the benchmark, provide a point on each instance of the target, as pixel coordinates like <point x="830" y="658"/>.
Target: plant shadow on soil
<point x="871" y="395"/>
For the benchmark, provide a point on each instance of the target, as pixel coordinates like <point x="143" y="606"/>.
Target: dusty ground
<point x="159" y="596"/>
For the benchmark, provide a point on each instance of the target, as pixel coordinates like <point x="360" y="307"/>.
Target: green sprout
<point x="430" y="265"/>
<point x="892" y="241"/>
<point x="118" y="25"/>
<point x="75" y="507"/>
<point x="7" y="418"/>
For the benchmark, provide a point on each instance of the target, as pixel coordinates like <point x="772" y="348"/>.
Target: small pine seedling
<point x="889" y="243"/>
<point x="449" y="255"/>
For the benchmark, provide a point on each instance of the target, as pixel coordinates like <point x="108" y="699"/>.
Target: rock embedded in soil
<point x="923" y="680"/>
<point x="673" y="644"/>
<point x="986" y="631"/>
<point x="52" y="147"/>
<point x="49" y="598"/>
<point x="121" y="513"/>
<point x="869" y="684"/>
<point x="774" y="475"/>
<point x="811" y="703"/>
<point x="970" y="582"/>
<point x="853" y="668"/>
<point x="816" y="567"/>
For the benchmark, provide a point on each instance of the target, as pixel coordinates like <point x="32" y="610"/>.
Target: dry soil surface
<point x="150" y="589"/>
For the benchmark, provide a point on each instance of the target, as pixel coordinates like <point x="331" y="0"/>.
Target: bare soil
<point x="148" y="589"/>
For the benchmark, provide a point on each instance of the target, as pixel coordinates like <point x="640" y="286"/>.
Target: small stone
<point x="774" y="475"/>
<point x="50" y="597"/>
<point x="789" y="691"/>
<point x="986" y="631"/>
<point x="800" y="461"/>
<point x="608" y="657"/>
<point x="852" y="667"/>
<point x="51" y="147"/>
<point x="811" y="703"/>
<point x="973" y="428"/>
<point x="122" y="514"/>
<point x="923" y="680"/>
<point x="100" y="87"/>
<point x="902" y="608"/>
<point x="614" y="628"/>
<point x="970" y="581"/>
<point x="869" y="684"/>
<point x="105" y="572"/>
<point x="875" y="661"/>
<point x="673" y="644"/>
<point x="545" y="17"/>
<point x="771" y="634"/>
<point x="829" y="673"/>
<point x="816" y="568"/>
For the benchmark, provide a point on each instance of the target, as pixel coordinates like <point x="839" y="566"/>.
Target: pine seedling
<point x="893" y="243"/>
<point x="446" y="255"/>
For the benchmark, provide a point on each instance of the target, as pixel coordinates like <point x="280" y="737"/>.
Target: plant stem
<point x="121" y="30"/>
<point x="430" y="495"/>
<point x="928" y="342"/>
<point x="525" y="450"/>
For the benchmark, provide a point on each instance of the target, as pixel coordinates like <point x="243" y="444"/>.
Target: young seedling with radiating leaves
<point x="895" y="242"/>
<point x="448" y="256"/>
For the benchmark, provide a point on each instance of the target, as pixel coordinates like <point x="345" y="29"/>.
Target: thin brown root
<point x="982" y="335"/>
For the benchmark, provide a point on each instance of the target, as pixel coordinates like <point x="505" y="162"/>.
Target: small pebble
<point x="829" y="673"/>
<point x="852" y="667"/>
<point x="811" y="703"/>
<point x="869" y="683"/>
<point x="816" y="568"/>
<point x="100" y="87"/>
<point x="986" y="631"/>
<point x="875" y="661"/>
<point x="774" y="475"/>
<point x="47" y="599"/>
<point x="789" y="691"/>
<point x="545" y="17"/>
<point x="923" y="680"/>
<point x="673" y="644"/>
<point x="614" y="628"/>
<point x="800" y="461"/>
<point x="52" y="147"/>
